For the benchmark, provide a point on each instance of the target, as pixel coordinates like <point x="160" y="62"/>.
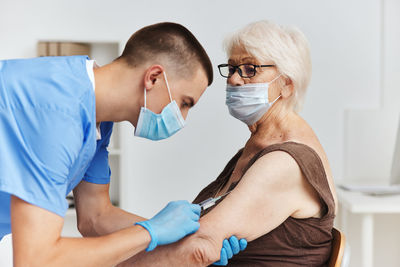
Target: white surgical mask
<point x="249" y="102"/>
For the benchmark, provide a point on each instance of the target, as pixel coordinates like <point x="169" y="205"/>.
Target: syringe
<point x="209" y="202"/>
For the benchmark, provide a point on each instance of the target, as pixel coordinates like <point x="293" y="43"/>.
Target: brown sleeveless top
<point x="296" y="242"/>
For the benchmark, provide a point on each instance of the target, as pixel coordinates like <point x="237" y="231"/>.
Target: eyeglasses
<point x="244" y="70"/>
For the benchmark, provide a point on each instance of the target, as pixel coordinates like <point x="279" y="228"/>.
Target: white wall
<point x="369" y="141"/>
<point x="346" y="42"/>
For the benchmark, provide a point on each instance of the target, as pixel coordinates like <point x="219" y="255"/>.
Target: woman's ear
<point x="152" y="75"/>
<point x="288" y="88"/>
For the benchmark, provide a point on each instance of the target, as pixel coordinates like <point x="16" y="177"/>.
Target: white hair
<point x="286" y="46"/>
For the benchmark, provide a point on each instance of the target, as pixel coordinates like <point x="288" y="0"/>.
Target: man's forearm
<point x="97" y="216"/>
<point x="110" y="220"/>
<point x="107" y="250"/>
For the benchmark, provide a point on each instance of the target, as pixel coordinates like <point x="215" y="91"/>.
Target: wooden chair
<point x="338" y="248"/>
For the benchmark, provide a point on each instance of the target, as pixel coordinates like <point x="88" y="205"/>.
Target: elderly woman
<point x="282" y="197"/>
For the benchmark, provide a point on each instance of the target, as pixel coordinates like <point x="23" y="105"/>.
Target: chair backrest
<point x="338" y="247"/>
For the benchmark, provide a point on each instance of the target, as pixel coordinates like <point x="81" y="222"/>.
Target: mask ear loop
<point x="145" y="98"/>
<point x="275" y="78"/>
<point x="169" y="91"/>
<point x="166" y="82"/>
<point x="273" y="102"/>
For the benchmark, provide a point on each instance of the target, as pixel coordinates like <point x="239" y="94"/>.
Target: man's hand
<point x="230" y="248"/>
<point x="175" y="221"/>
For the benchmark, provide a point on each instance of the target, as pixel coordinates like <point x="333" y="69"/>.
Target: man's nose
<point x="184" y="113"/>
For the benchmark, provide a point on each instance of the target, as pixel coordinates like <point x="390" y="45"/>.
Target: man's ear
<point x="288" y="88"/>
<point x="152" y="75"/>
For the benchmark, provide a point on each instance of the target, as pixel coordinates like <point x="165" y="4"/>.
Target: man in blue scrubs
<point x="56" y="119"/>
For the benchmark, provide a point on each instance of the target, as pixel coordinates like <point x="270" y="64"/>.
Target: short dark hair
<point x="170" y="40"/>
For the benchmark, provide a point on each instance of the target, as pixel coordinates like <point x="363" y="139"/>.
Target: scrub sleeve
<point x="99" y="171"/>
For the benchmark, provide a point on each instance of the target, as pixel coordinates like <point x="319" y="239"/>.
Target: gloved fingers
<point x="193" y="227"/>
<point x="176" y="203"/>
<point x="242" y="244"/>
<point x="195" y="217"/>
<point x="174" y="222"/>
<point x="223" y="260"/>
<point x="196" y="208"/>
<point x="182" y="202"/>
<point x="234" y="242"/>
<point x="228" y="249"/>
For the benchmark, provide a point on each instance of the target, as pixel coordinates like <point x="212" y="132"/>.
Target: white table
<point x="366" y="206"/>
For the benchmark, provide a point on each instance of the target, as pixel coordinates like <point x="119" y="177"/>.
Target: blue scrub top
<point x="48" y="133"/>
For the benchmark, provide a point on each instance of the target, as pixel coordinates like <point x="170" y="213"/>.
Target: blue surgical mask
<point x="159" y="126"/>
<point x="249" y="102"/>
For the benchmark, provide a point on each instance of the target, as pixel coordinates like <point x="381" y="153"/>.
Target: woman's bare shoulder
<point x="311" y="140"/>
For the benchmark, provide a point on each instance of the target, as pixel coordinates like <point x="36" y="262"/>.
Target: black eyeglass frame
<point x="237" y="67"/>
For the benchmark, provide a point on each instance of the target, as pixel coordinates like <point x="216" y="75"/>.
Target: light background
<point x="352" y="102"/>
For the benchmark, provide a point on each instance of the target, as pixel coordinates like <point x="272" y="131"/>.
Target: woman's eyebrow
<point x="241" y="60"/>
<point x="248" y="59"/>
<point x="231" y="61"/>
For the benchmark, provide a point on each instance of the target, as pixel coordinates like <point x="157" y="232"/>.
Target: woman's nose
<point x="235" y="79"/>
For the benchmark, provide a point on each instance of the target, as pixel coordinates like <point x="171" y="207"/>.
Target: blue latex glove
<point x="230" y="248"/>
<point x="175" y="221"/>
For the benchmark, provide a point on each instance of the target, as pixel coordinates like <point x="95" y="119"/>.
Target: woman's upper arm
<point x="264" y="198"/>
